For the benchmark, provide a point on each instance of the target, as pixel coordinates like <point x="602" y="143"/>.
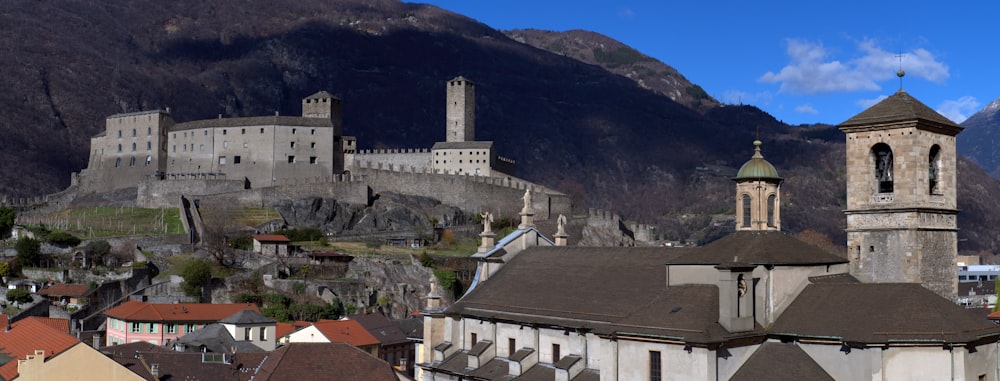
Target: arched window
<point x="131" y="162"/>
<point x="133" y="147"/>
<point x="934" y="170"/>
<point x="118" y="162"/>
<point x="149" y="159"/>
<point x="149" y="146"/>
<point x="770" y="210"/>
<point x="746" y="211"/>
<point x="119" y="148"/>
<point x="133" y="132"/>
<point x="883" y="166"/>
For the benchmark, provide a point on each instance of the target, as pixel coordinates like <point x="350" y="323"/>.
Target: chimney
<point x="154" y="369"/>
<point x="97" y="341"/>
<point x="736" y="296"/>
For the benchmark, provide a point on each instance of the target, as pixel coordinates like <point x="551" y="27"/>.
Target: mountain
<point x="612" y="127"/>
<point x="981" y="138"/>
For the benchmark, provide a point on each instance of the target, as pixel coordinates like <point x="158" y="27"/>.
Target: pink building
<point x="136" y="321"/>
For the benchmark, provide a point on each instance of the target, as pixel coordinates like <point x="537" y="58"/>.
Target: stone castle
<point x="302" y="156"/>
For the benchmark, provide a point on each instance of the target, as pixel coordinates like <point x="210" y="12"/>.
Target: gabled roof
<point x="780" y="361"/>
<point x="282" y="329"/>
<point x="898" y="108"/>
<point x="498" y="249"/>
<point x="66" y="289"/>
<point x="216" y="338"/>
<point x="322" y="361"/>
<point x="879" y="313"/>
<point x="381" y="328"/>
<point x="270" y="238"/>
<point x="179" y="312"/>
<point x="345" y="331"/>
<point x="24" y="338"/>
<point x="757" y="248"/>
<point x="600" y="289"/>
<point x="188" y="366"/>
<point x="247" y="316"/>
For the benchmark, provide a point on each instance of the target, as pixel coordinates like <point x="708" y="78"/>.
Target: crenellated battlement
<point x="392" y="151"/>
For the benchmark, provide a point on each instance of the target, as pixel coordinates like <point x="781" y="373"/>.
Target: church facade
<point x="756" y="304"/>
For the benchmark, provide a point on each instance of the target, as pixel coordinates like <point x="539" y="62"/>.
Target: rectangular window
<point x="473" y="340"/>
<point x="225" y="144"/>
<point x="236" y="159"/>
<point x="246" y="334"/>
<point x="511" y="346"/>
<point x="171" y="328"/>
<point x="312" y="132"/>
<point x="243" y="131"/>
<point x="291" y="159"/>
<point x="189" y="328"/>
<point x="293" y="131"/>
<point x="655" y="366"/>
<point x="312" y="145"/>
<point x="223" y="132"/>
<point x="136" y="328"/>
<point x="312" y="159"/>
<point x="555" y="353"/>
<point x="152" y="327"/>
<point x="262" y="130"/>
<point x="292" y="145"/>
<point x="263" y="333"/>
<point x="222" y="160"/>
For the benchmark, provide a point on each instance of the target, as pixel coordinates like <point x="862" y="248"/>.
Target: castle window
<point x="222" y="160"/>
<point x="293" y="131"/>
<point x="185" y="134"/>
<point x="292" y="145"/>
<point x="312" y="145"/>
<point x="882" y="157"/>
<point x="119" y="134"/>
<point x="206" y="132"/>
<point x="223" y="131"/>
<point x="655" y="366"/>
<point x="243" y="131"/>
<point x="934" y="170"/>
<point x="770" y="210"/>
<point x="201" y="147"/>
<point x="149" y="159"/>
<point x="312" y="132"/>
<point x="225" y="144"/>
<point x="184" y="147"/>
<point x="149" y="131"/>
<point x="262" y="130"/>
<point x="133" y="147"/>
<point x="236" y="159"/>
<point x="133" y="132"/>
<point x="291" y="159"/>
<point x="131" y="161"/>
<point x="119" y="148"/>
<point x="149" y="146"/>
<point x="175" y="148"/>
<point x="312" y="159"/>
<point x="746" y="211"/>
<point x="118" y="162"/>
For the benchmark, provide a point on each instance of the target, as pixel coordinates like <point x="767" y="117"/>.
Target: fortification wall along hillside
<point x="154" y="193"/>
<point x="345" y="191"/>
<point x="502" y="196"/>
<point x="396" y="159"/>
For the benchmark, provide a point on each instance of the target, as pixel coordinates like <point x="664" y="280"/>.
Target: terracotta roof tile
<point x="25" y="337"/>
<point x="142" y="311"/>
<point x="282" y="329"/>
<point x="66" y="289"/>
<point x="270" y="237"/>
<point x="345" y="331"/>
<point x="61" y="324"/>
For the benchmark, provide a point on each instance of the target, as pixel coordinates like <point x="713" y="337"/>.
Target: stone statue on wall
<point x="561" y="225"/>
<point x="487" y="222"/>
<point x="527" y="199"/>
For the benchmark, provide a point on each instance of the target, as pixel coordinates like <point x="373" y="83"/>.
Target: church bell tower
<point x="758" y="196"/>
<point x="901" y="195"/>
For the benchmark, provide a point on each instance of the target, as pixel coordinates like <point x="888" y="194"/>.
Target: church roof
<point x="901" y="107"/>
<point x="780" y="361"/>
<point x="757" y="167"/>
<point x="603" y="290"/>
<point x="881" y="313"/>
<point x="757" y="248"/>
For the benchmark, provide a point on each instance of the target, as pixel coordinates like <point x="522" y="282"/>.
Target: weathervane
<point x="900" y="73"/>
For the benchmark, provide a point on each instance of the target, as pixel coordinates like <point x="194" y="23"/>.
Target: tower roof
<point x="320" y="95"/>
<point x="901" y="108"/>
<point x="757" y="168"/>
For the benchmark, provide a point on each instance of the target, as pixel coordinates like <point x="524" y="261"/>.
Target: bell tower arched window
<point x="746" y="211"/>
<point x="883" y="170"/>
<point x="934" y="170"/>
<point x="770" y="210"/>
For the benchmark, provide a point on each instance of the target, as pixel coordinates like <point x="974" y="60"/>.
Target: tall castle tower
<point x="758" y="196"/>
<point x="324" y="105"/>
<point x="901" y="206"/>
<point x="461" y="110"/>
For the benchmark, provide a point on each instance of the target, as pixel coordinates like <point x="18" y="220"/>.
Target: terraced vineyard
<point x="102" y="222"/>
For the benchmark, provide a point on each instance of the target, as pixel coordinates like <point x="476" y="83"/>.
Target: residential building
<point x="160" y="323"/>
<point x="33" y="340"/>
<point x="270" y="244"/>
<point x="394" y="347"/>
<point x="337" y="331"/>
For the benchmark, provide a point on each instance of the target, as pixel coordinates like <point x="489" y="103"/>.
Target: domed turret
<point x="758" y="199"/>
<point x="757" y="167"/>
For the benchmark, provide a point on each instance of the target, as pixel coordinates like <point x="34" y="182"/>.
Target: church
<point x="756" y="304"/>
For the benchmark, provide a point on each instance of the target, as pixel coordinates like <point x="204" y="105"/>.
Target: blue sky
<point x="800" y="61"/>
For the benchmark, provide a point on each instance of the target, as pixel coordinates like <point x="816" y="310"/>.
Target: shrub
<point x="63" y="239"/>
<point x="446" y="278"/>
<point x="28" y="251"/>
<point x="195" y="274"/>
<point x="426" y="260"/>
<point x="19" y="296"/>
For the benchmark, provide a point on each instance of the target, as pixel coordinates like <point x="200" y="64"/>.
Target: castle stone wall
<point x="153" y="193"/>
<point x="395" y="159"/>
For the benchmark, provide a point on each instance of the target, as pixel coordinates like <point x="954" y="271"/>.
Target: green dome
<point x="757" y="167"/>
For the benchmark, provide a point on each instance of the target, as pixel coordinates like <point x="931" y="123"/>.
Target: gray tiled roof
<point x="462" y="145"/>
<point x="247" y="317"/>
<point x="901" y="107"/>
<point x="254" y="121"/>
<point x="880" y="313"/>
<point x="758" y="248"/>
<point x="780" y="361"/>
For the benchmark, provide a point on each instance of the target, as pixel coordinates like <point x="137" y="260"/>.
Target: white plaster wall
<point x="523" y="338"/>
<point x="919" y="363"/>
<point x="484" y="330"/>
<point x="728" y="366"/>
<point x="602" y="355"/>
<point x="695" y="274"/>
<point x="857" y="365"/>
<point x="983" y="362"/>
<point x="307" y="335"/>
<point x="573" y="343"/>
<point x="678" y="364"/>
<point x="462" y="161"/>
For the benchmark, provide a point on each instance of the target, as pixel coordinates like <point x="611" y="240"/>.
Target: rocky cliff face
<point x="390" y="212"/>
<point x="981" y="138"/>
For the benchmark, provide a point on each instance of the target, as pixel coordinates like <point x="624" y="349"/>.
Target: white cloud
<point x="960" y="109"/>
<point x="806" y="109"/>
<point x="737" y="97"/>
<point x="866" y="103"/>
<point x="811" y="70"/>
<point x="626" y="13"/>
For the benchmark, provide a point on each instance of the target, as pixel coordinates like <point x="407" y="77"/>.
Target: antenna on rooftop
<point x="900" y="73"/>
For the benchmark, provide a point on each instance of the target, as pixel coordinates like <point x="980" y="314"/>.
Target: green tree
<point x="7" y="217"/>
<point x="195" y="274"/>
<point x="29" y="251"/>
<point x="63" y="239"/>
<point x="19" y="296"/>
<point x="97" y="251"/>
